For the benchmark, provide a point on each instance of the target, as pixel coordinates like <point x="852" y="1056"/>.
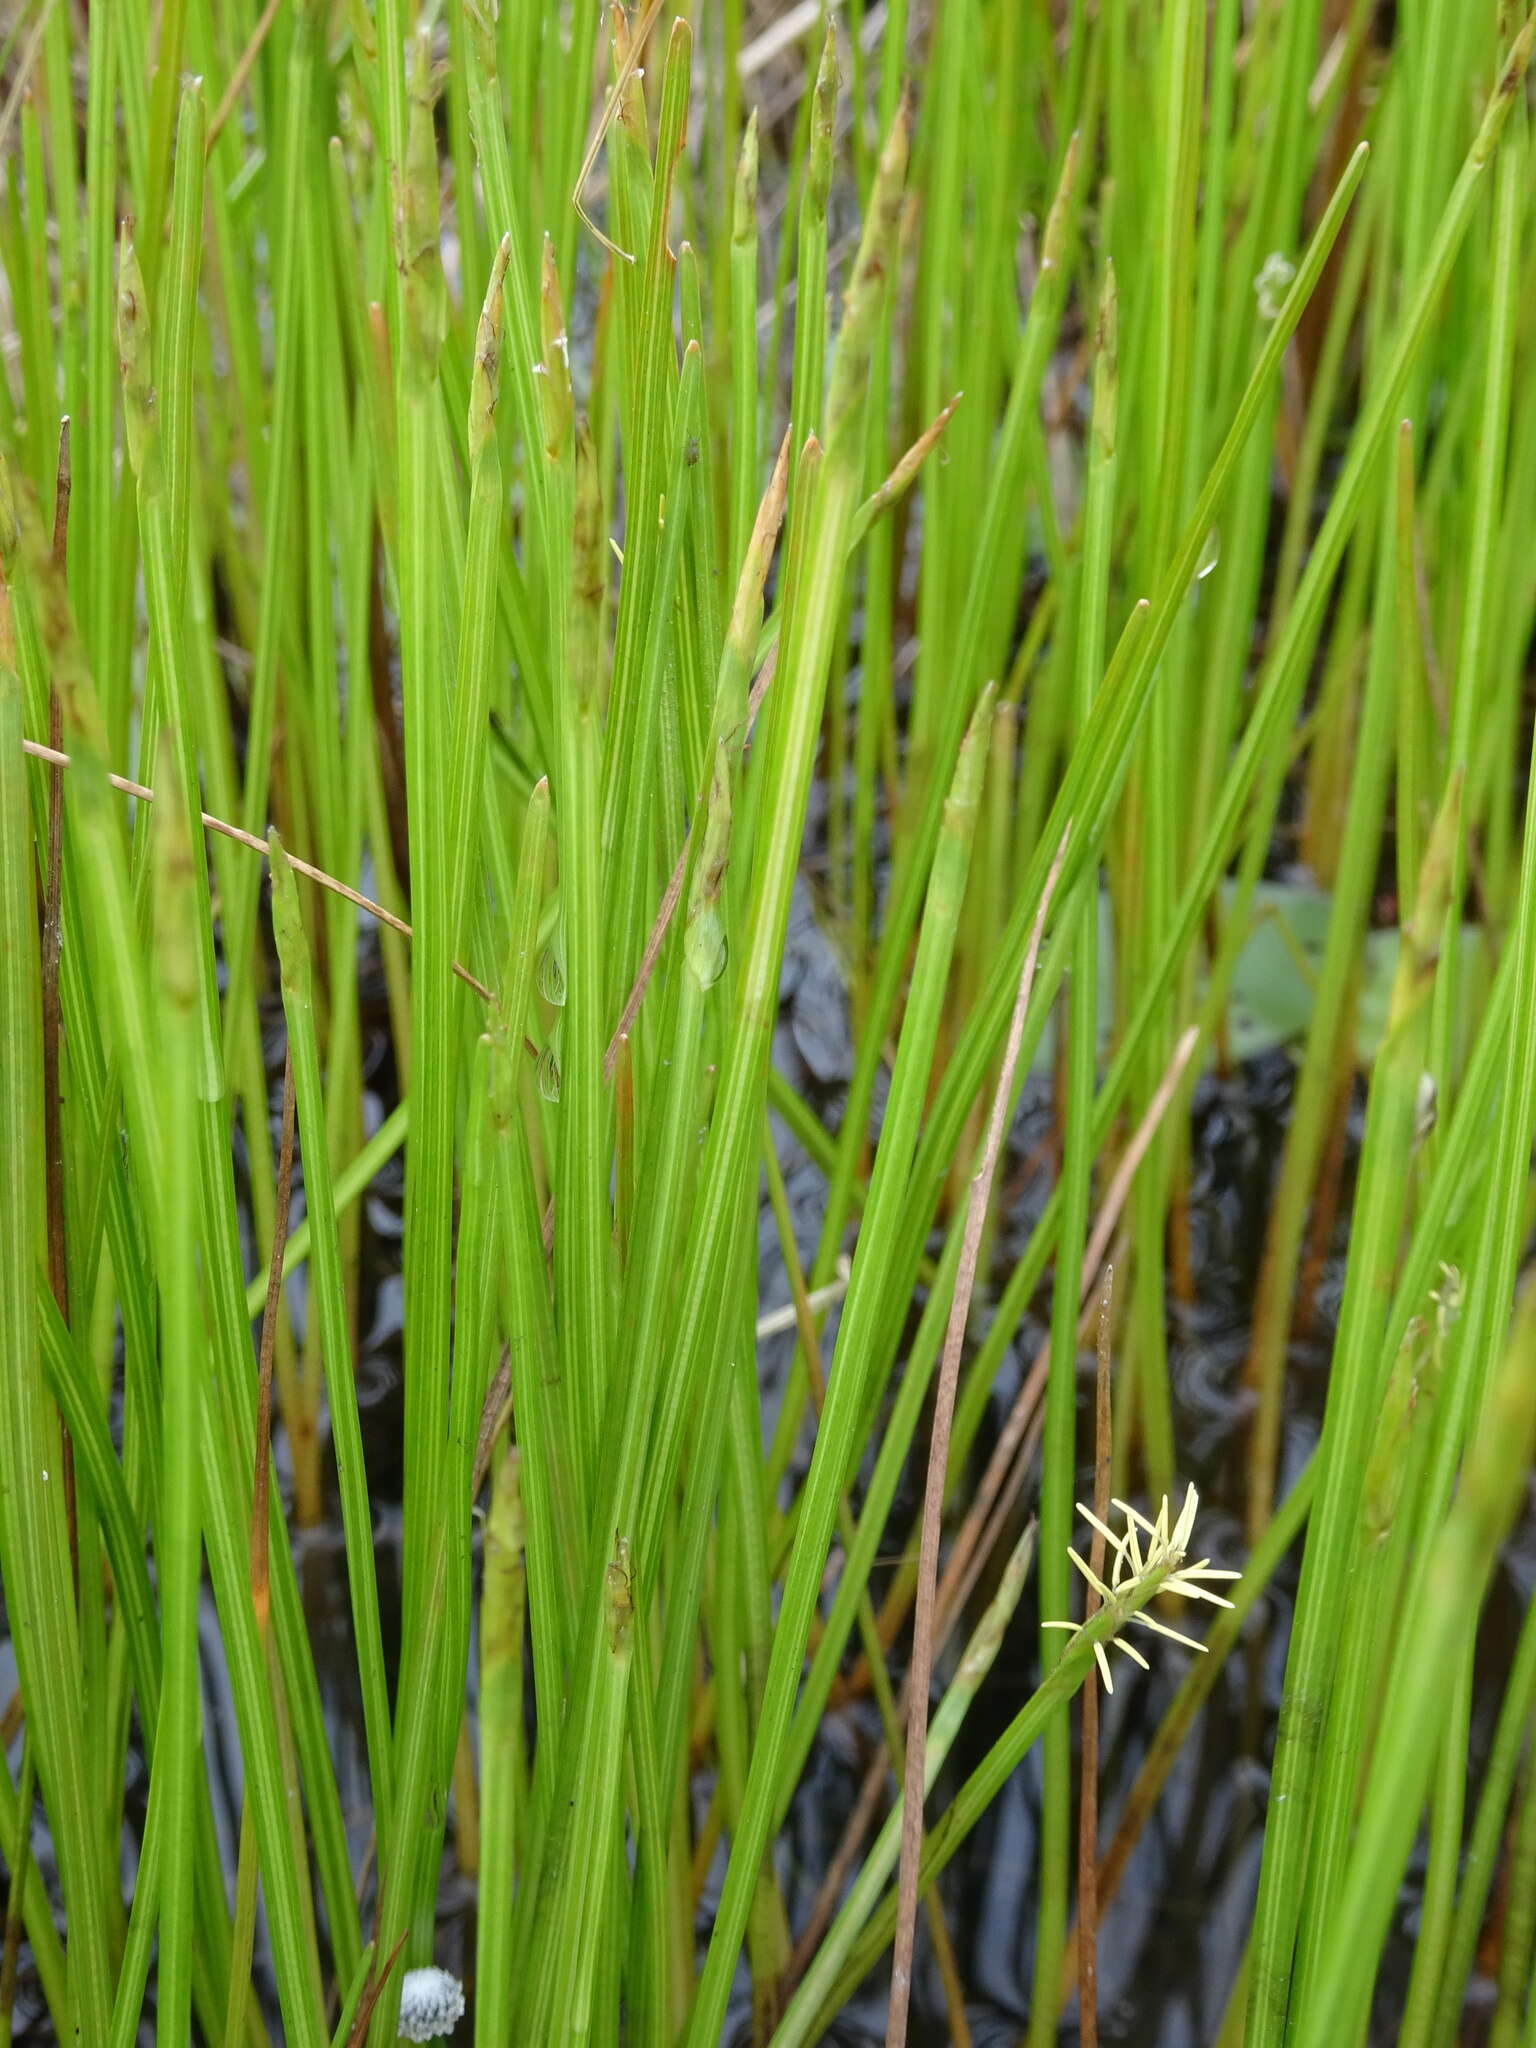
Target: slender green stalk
<point x="33" y="1538"/>
<point x="278" y="510"/>
<point x="185" y="958"/>
<point x="744" y="373"/>
<point x="999" y="524"/>
<point x="502" y="1763"/>
<point x="1519" y="1950"/>
<point x="178" y="1548"/>
<point x="1353" y="1401"/>
<point x="808" y="372"/>
<point x="630" y="884"/>
<point x="1151" y="795"/>
<point x="352" y="1182"/>
<point x="329" y="1295"/>
<point x="563" y="2011"/>
<point x="1487" y="1831"/>
<point x="1393" y="1477"/>
<point x="1447" y="1607"/>
<point x="1059" y="1468"/>
<point x="786" y="777"/>
<point x="584" y="1230"/>
<point x="547" y="1477"/>
<point x="477" y="630"/>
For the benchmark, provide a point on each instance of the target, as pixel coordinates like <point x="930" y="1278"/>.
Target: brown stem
<point x="19" y="1873"/>
<point x="23" y="74"/>
<point x="987" y="1515"/>
<point x="628" y="64"/>
<point x="1028" y="1398"/>
<point x="260" y="1503"/>
<point x="53" y="1020"/>
<point x="372" y="1993"/>
<point x="261" y="1487"/>
<point x="921" y="1667"/>
<point x="860" y="1821"/>
<point x="805" y="1320"/>
<point x="243" y="838"/>
<point x="1088" y="1802"/>
<point x="241" y="73"/>
<point x="1325" y="1201"/>
<point x="1006" y="1452"/>
<point x="494" y="1411"/>
<point x="671" y="895"/>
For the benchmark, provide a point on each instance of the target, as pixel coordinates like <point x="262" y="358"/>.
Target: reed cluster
<point x="511" y="460"/>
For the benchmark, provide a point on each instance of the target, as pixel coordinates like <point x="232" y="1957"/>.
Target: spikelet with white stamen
<point x="1163" y="1559"/>
<point x="431" y="2003"/>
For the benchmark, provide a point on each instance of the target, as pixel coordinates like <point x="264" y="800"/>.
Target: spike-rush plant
<point x="508" y="502"/>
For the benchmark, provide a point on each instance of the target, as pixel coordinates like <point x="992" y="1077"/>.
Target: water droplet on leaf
<point x="548" y="1074"/>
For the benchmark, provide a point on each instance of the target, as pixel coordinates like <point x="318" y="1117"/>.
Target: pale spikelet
<point x="1162" y="1560"/>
